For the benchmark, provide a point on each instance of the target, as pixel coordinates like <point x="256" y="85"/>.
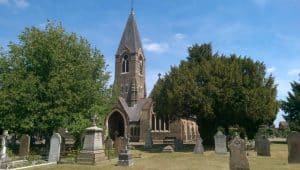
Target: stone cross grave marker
<point x="238" y="158"/>
<point x="220" y="143"/>
<point x="24" y="146"/>
<point x="293" y="141"/>
<point x="263" y="146"/>
<point x="198" y="149"/>
<point x="54" y="152"/>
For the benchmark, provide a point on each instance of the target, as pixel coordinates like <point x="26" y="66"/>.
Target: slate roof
<point x="134" y="113"/>
<point x="131" y="37"/>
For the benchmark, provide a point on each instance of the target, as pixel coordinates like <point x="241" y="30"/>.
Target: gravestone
<point x="3" y="155"/>
<point x="24" y="146"/>
<point x="168" y="149"/>
<point x="238" y="158"/>
<point x="293" y="141"/>
<point x="125" y="157"/>
<point x="54" y="153"/>
<point x="148" y="139"/>
<point x="220" y="143"/>
<point x="119" y="144"/>
<point x="198" y="149"/>
<point x="263" y="146"/>
<point x="109" y="144"/>
<point x="92" y="151"/>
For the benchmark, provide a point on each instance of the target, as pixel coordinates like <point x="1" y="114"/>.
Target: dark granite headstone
<point x="293" y="141"/>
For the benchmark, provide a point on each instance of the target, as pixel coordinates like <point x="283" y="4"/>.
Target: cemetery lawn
<point x="189" y="160"/>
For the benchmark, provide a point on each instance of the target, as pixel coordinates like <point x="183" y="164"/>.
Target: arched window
<point x="125" y="64"/>
<point x="141" y="66"/>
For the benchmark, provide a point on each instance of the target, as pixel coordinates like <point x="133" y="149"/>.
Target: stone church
<point x="133" y="115"/>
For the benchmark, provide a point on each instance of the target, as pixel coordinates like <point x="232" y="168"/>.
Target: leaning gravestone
<point x="263" y="146"/>
<point x="220" y="143"/>
<point x="293" y="141"/>
<point x="148" y="139"/>
<point x="198" y="149"/>
<point x="238" y="159"/>
<point x="24" y="146"/>
<point x="54" y="152"/>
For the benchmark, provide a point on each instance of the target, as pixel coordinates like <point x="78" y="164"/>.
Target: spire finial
<point x="131" y="4"/>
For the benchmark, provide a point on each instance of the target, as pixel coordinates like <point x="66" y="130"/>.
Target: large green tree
<point x="218" y="90"/>
<point x="292" y="107"/>
<point x="51" y="79"/>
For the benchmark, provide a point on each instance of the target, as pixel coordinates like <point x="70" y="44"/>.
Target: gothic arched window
<point x="125" y="64"/>
<point x="141" y="65"/>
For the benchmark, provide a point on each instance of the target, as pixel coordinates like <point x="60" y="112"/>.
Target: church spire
<point x="131" y="38"/>
<point x="130" y="64"/>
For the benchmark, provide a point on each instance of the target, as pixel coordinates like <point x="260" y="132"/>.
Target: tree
<point x="218" y="90"/>
<point x="52" y="79"/>
<point x="292" y="107"/>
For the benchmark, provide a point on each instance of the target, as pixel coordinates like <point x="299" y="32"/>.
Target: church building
<point x="133" y="115"/>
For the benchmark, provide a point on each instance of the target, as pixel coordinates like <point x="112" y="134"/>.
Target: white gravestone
<point x="54" y="152"/>
<point x="220" y="143"/>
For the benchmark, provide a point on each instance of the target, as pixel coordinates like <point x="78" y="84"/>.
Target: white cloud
<point x="179" y="36"/>
<point x="4" y="2"/>
<point x="21" y="3"/>
<point x="294" y="72"/>
<point x="271" y="70"/>
<point x="156" y="47"/>
<point x="15" y="3"/>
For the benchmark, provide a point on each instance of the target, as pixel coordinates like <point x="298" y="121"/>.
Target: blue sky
<point x="265" y="30"/>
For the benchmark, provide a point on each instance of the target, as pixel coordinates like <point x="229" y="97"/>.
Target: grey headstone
<point x="109" y="144"/>
<point x="293" y="141"/>
<point x="54" y="152"/>
<point x="92" y="151"/>
<point x="220" y="143"/>
<point x="3" y="154"/>
<point x="238" y="158"/>
<point x="168" y="149"/>
<point x="148" y="139"/>
<point x="24" y="146"/>
<point x="198" y="149"/>
<point x="125" y="157"/>
<point x="263" y="146"/>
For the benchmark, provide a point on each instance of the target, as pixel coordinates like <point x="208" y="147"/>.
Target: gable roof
<point x="134" y="113"/>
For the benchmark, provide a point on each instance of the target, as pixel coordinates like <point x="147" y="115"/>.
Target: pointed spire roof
<point x="131" y="37"/>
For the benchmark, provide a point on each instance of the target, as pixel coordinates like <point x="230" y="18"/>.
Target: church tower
<point x="130" y="64"/>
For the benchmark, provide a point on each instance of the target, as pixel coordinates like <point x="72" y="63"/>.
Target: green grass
<point x="188" y="160"/>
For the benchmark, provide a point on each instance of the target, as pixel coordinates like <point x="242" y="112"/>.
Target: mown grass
<point x="189" y="161"/>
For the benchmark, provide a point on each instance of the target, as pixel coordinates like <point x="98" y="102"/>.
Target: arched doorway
<point x="116" y="125"/>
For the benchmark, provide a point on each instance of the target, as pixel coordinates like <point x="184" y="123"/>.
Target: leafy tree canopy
<point x="51" y="79"/>
<point x="218" y="90"/>
<point x="292" y="107"/>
